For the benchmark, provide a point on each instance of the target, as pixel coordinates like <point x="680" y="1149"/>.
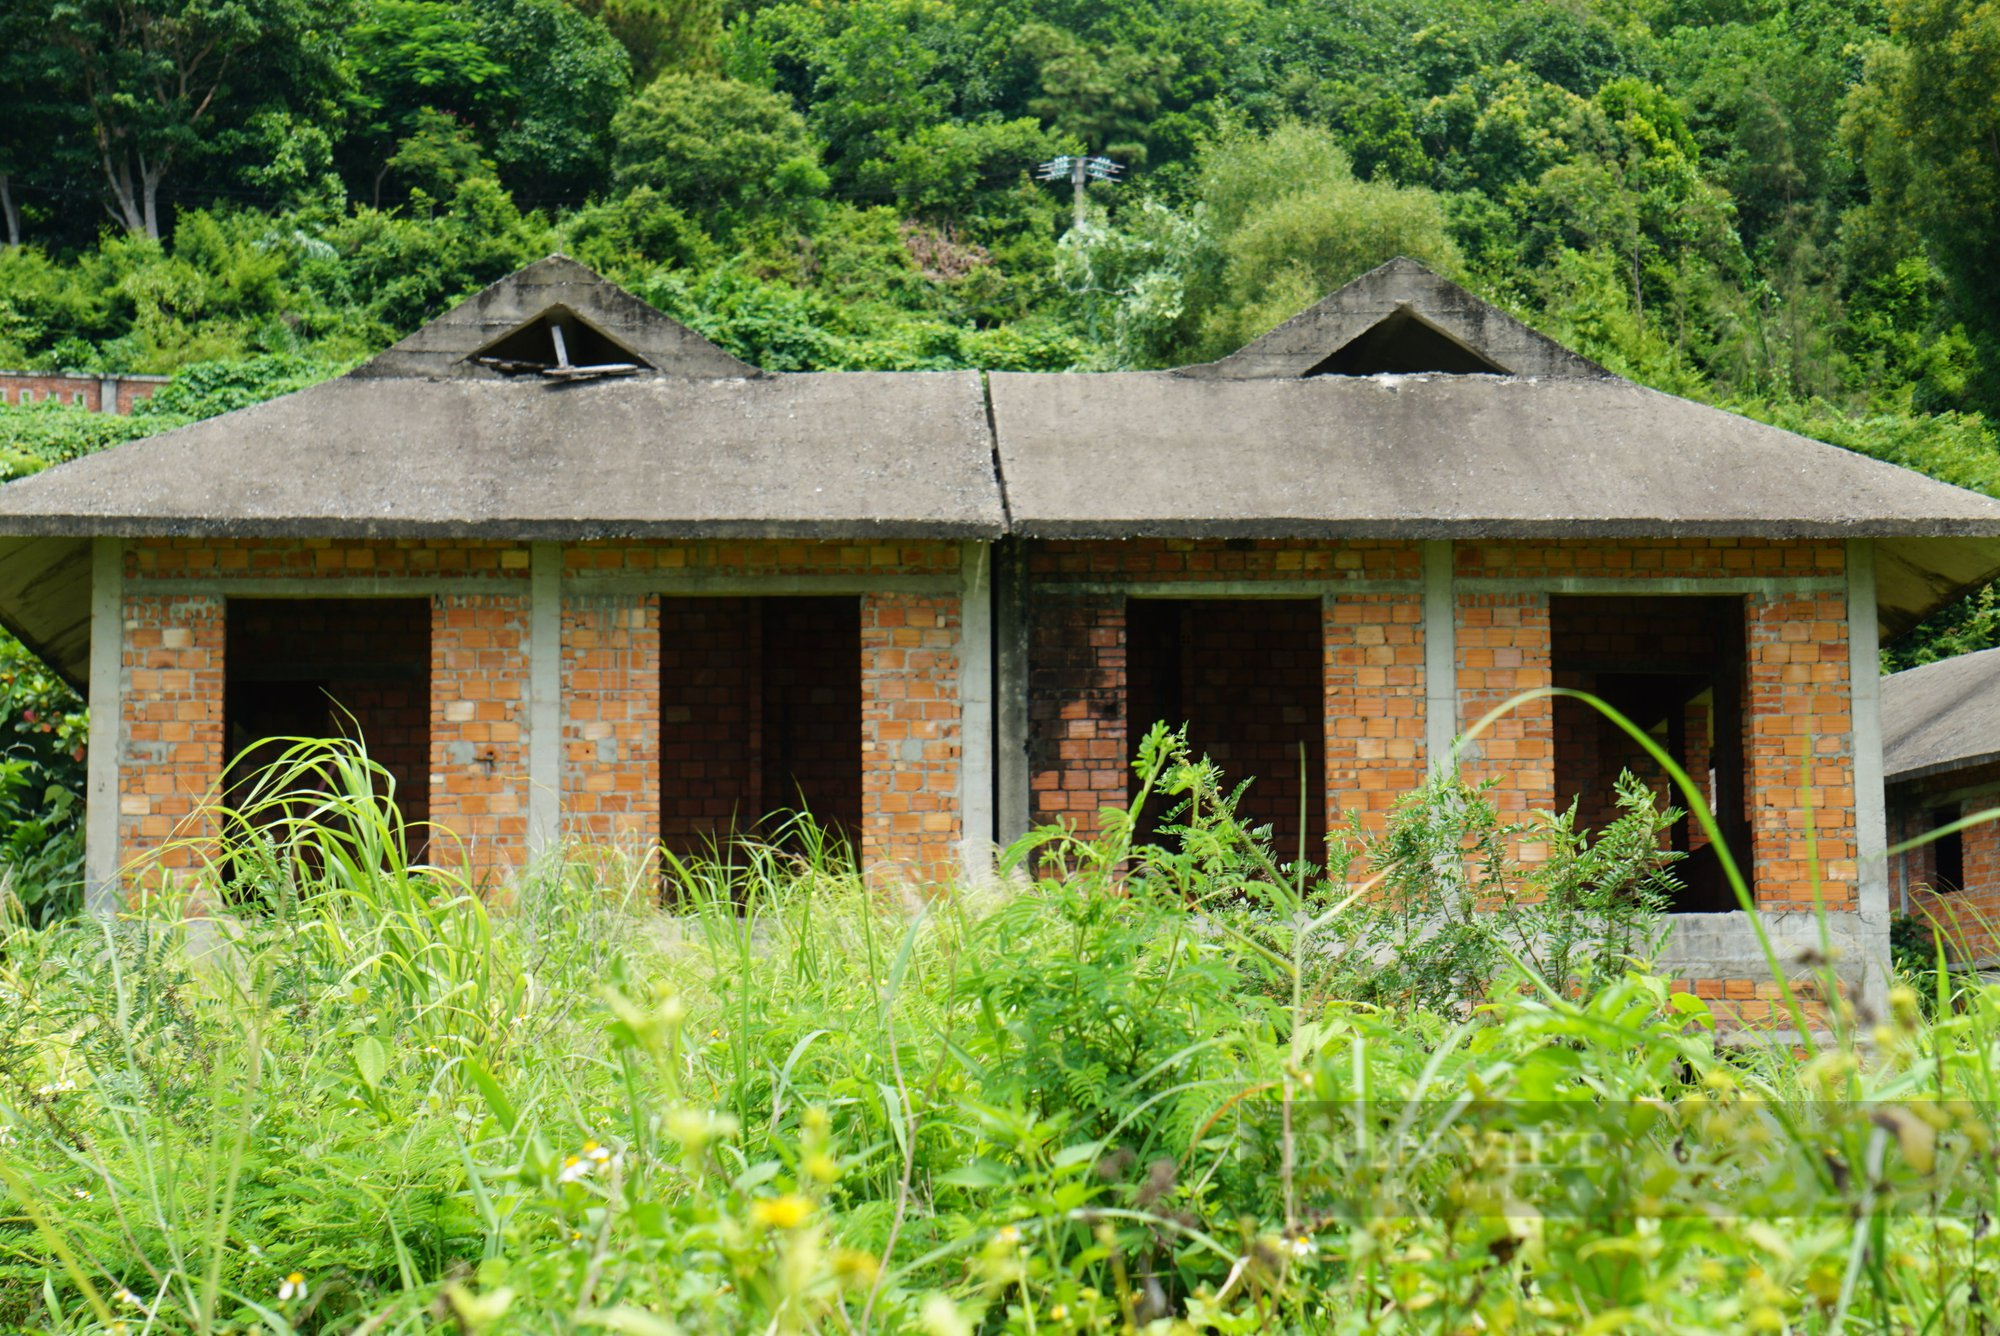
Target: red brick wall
<point x="910" y="736"/>
<point x="1797" y="708"/>
<point x="342" y="558"/>
<point x="20" y="387"/>
<point x="171" y="754"/>
<point x="611" y="730"/>
<point x="1179" y="559"/>
<point x="1374" y="664"/>
<point x="479" y="757"/>
<point x="763" y="558"/>
<point x="1969" y="918"/>
<point x="1503" y="650"/>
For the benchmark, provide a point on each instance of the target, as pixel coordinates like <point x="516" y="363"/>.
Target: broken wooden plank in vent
<point x="542" y="348"/>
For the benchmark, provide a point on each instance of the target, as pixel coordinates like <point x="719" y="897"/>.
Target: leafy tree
<point x="715" y="147"/>
<point x="1105" y="98"/>
<point x="157" y="80"/>
<point x="1926" y="124"/>
<point x="661" y="35"/>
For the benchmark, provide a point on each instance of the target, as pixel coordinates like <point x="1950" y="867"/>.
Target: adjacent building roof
<point x="1941" y="717"/>
<point x="556" y="406"/>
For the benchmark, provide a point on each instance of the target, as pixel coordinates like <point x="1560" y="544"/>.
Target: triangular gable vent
<point x="561" y="345"/>
<point x="1406" y="344"/>
<point x="1400" y="319"/>
<point x="554" y="321"/>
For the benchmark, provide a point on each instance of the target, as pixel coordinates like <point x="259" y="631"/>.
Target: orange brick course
<point x="331" y="558"/>
<point x="611" y="719"/>
<point x="1800" y="753"/>
<point x="1643" y="558"/>
<point x="1503" y="650"/>
<point x="910" y="730"/>
<point x="1374" y="704"/>
<point x="170" y="756"/>
<point x="763" y="558"/>
<point x="479" y="753"/>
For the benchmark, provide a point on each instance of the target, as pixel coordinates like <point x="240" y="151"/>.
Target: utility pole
<point x="1080" y="170"/>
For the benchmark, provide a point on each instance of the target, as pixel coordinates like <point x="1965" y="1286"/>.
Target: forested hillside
<point x="1791" y="207"/>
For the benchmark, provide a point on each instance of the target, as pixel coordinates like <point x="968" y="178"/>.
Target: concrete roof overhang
<point x="1941" y="717"/>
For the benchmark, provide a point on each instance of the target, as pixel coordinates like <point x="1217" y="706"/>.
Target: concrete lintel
<point x="1864" y="665"/>
<point x="975" y="712"/>
<point x="1440" y="654"/>
<point x="1219" y="588"/>
<point x="1649" y="585"/>
<point x="107" y="725"/>
<point x="1011" y="806"/>
<point x="727" y="584"/>
<point x="253" y="585"/>
<point x="544" y="698"/>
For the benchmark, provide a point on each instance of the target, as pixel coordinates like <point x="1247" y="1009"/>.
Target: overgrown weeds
<point x="1175" y="1085"/>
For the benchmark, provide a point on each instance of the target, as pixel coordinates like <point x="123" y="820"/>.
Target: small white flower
<point x="1301" y="1247"/>
<point x="574" y="1168"/>
<point x="432" y="1048"/>
<point x="594" y="1152"/>
<point x="128" y="1298"/>
<point x="55" y="1087"/>
<point x="1009" y="1235"/>
<point x="294" y="1287"/>
<point x="253" y="1250"/>
<point x="81" y="1194"/>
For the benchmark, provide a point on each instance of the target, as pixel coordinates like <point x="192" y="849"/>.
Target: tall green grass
<point x="1129" y="1084"/>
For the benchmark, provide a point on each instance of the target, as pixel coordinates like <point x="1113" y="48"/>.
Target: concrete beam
<point x="544" y="698"/>
<point x="107" y="726"/>
<point x="1864" y="668"/>
<point x="1440" y="655"/>
<point x="976" y="769"/>
<point x="1011" y="799"/>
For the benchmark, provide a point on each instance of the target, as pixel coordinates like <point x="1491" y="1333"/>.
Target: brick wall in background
<point x="99" y="394"/>
<point x="711" y="726"/>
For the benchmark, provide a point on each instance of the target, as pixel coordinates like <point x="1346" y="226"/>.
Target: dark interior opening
<point x="1675" y="667"/>
<point x="1404" y="343"/>
<point x="327" y="667"/>
<point x="760" y="717"/>
<point x="1947" y="853"/>
<point x="532" y="346"/>
<point x="1247" y="678"/>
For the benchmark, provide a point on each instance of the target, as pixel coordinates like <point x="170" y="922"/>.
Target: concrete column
<point x="544" y="698"/>
<point x="107" y="731"/>
<point x="1440" y="655"/>
<point x="1864" y="669"/>
<point x="1010" y="706"/>
<point x="976" y="773"/>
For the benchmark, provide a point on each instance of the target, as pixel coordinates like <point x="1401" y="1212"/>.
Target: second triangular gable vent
<point x="560" y="345"/>
<point x="1404" y="343"/>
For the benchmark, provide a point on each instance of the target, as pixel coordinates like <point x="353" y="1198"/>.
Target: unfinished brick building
<point x="574" y="571"/>
<point x="1941" y="758"/>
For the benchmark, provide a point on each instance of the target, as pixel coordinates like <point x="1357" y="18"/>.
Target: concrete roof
<point x="1943" y="716"/>
<point x="840" y="455"/>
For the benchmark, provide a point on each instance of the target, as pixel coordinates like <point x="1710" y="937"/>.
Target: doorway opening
<point x="1674" y="666"/>
<point x="1247" y="678"/>
<point x="356" y="668"/>
<point x="760" y="718"/>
